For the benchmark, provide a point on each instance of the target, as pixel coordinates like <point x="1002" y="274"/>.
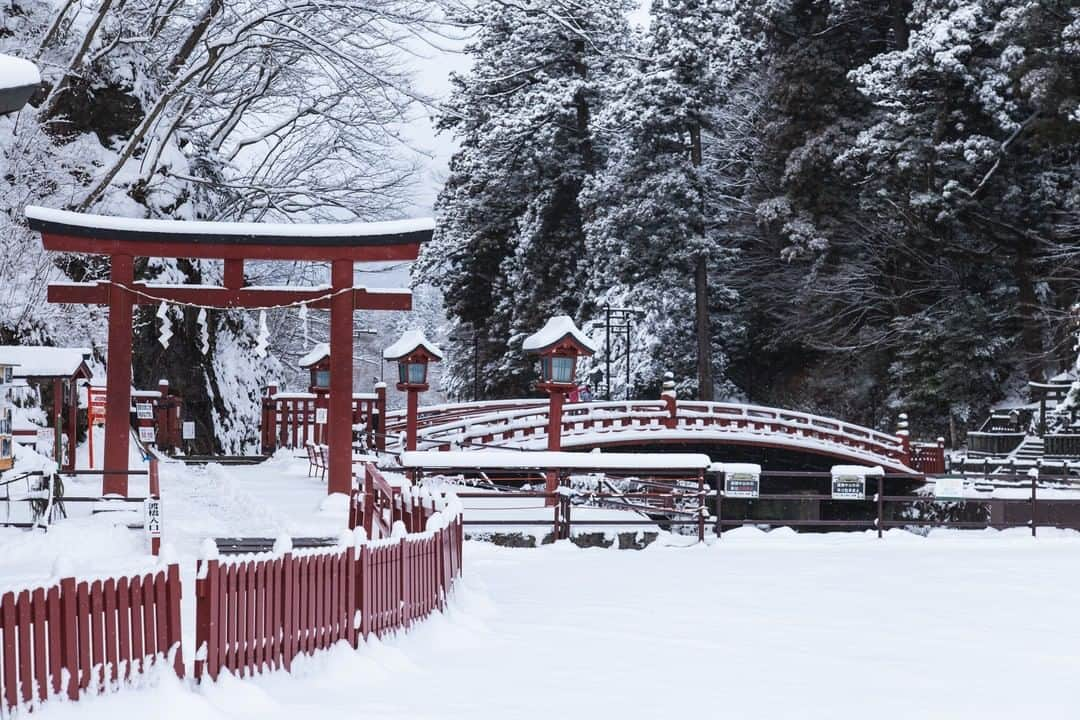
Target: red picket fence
<point x="261" y="611"/>
<point x="81" y="635"/>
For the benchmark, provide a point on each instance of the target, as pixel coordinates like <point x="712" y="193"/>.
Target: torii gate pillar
<point x="118" y="378"/>
<point x="339" y="470"/>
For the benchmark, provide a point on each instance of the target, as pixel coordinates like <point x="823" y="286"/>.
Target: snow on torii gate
<point x="125" y="239"/>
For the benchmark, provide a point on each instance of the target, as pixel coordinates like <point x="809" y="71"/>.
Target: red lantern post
<point x="559" y="344"/>
<point x="412" y="353"/>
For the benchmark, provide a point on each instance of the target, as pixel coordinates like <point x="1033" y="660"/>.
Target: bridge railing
<point x="508" y="423"/>
<point x="448" y="412"/>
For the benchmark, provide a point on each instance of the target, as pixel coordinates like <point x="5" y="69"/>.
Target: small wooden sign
<point x="147" y="434"/>
<point x="849" y="487"/>
<point x="97" y="399"/>
<point x="152" y="517"/>
<point x="188" y="430"/>
<point x="144" y="411"/>
<point x="320" y="416"/>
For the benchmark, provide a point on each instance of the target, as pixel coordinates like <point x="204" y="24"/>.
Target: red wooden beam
<point x="98" y="294"/>
<point x="406" y="247"/>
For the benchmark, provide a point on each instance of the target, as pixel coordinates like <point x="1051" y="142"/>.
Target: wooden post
<point x="339" y="473"/>
<point x="380" y="408"/>
<point x="701" y="506"/>
<point x="118" y="378"/>
<point x="413" y="409"/>
<point x="174" y="641"/>
<point x="880" y="502"/>
<point x="207" y="612"/>
<point x="73" y="421"/>
<point x="269" y="420"/>
<point x="1034" y="503"/>
<point x="69" y="635"/>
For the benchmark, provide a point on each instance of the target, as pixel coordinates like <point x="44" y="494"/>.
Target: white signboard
<point x="188" y="432"/>
<point x="320" y="416"/>
<point x="145" y="411"/>
<point x="949" y="489"/>
<point x="741" y="485"/>
<point x="848" y="487"/>
<point x="46" y="442"/>
<point x="152" y="517"/>
<point x="146" y="434"/>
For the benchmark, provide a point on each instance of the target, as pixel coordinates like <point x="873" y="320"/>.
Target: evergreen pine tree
<point x="509" y="250"/>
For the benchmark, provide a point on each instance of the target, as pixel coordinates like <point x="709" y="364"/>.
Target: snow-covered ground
<point x="778" y="625"/>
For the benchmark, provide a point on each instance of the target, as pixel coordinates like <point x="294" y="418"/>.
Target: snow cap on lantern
<point x="413" y="351"/>
<point x="559" y="344"/>
<point x="317" y="362"/>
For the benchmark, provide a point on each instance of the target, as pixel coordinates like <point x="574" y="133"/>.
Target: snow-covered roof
<point x="466" y="459"/>
<point x="248" y="229"/>
<point x="554" y="331"/>
<point x="315" y="354"/>
<point x="410" y="341"/>
<point x="38" y="361"/>
<point x="856" y="470"/>
<point x="736" y="468"/>
<point x="16" y="72"/>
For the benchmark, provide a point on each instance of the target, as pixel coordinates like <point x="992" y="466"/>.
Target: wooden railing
<point x="289" y="420"/>
<point x="994" y="443"/>
<point x="81" y="635"/>
<point x="1062" y="445"/>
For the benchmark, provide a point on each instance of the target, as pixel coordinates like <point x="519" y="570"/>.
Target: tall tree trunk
<point x="701" y="292"/>
<point x="1027" y="303"/>
<point x="901" y="32"/>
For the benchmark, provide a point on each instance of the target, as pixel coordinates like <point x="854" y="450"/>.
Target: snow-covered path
<point x="960" y="625"/>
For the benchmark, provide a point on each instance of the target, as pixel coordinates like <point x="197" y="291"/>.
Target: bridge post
<point x="905" y="439"/>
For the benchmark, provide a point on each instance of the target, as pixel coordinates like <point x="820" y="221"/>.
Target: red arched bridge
<point x="523" y="424"/>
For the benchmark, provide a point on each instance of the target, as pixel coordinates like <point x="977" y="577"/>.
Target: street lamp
<point x="618" y="318"/>
<point x="412" y="352"/>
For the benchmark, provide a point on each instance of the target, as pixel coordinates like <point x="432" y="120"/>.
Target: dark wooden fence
<point x="78" y="636"/>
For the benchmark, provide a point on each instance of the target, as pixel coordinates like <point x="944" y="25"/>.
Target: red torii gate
<point x="124" y="239"/>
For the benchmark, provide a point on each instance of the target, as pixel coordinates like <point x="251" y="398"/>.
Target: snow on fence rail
<point x="261" y="611"/>
<point x="87" y="635"/>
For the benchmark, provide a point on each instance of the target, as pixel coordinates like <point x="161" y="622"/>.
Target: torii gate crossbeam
<point x="124" y="239"/>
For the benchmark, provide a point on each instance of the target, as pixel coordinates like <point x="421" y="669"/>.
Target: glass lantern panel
<point x="417" y="372"/>
<point x="322" y="378"/>
<point x="402" y="372"/>
<point x="562" y="369"/>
